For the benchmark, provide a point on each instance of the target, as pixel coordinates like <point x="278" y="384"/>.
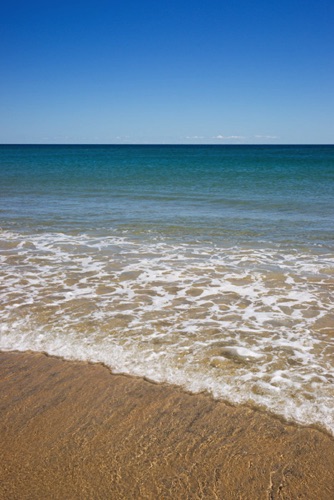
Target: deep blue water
<point x="272" y="193"/>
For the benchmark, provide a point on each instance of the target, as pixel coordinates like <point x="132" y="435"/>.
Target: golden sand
<point x="72" y="430"/>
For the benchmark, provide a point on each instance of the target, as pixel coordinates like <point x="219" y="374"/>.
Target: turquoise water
<point x="272" y="193"/>
<point x="207" y="266"/>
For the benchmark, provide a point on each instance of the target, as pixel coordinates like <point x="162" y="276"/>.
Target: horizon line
<point x="156" y="144"/>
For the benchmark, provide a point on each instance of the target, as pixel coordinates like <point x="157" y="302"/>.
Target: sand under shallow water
<point x="73" y="430"/>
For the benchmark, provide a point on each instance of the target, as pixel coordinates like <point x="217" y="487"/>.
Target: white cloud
<point x="266" y="137"/>
<point x="228" y="137"/>
<point x="195" y="137"/>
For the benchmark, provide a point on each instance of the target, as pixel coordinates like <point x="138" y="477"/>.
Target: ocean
<point x="209" y="267"/>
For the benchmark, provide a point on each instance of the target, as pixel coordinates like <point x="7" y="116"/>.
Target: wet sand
<point x="73" y="430"/>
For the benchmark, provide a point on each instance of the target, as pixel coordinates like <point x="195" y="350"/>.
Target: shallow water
<point x="208" y="267"/>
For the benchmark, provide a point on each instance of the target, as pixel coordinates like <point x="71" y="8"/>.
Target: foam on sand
<point x="248" y="325"/>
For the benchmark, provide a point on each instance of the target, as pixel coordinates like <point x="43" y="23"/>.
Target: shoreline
<point x="73" y="429"/>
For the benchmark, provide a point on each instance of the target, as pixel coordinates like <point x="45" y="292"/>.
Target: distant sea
<point x="210" y="267"/>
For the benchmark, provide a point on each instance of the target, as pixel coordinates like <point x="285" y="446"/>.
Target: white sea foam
<point x="248" y="325"/>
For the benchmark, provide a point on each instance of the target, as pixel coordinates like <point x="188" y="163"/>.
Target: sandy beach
<point x="74" y="430"/>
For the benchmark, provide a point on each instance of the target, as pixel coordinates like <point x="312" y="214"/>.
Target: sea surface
<point x="211" y="267"/>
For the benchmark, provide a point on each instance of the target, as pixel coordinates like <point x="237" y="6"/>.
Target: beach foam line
<point x="74" y="430"/>
<point x="249" y="325"/>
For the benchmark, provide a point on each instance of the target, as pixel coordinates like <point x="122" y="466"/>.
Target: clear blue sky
<point x="165" y="71"/>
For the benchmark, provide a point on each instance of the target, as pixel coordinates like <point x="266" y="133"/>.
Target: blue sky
<point x="165" y="71"/>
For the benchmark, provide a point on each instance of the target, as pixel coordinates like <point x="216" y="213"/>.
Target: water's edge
<point x="184" y="389"/>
